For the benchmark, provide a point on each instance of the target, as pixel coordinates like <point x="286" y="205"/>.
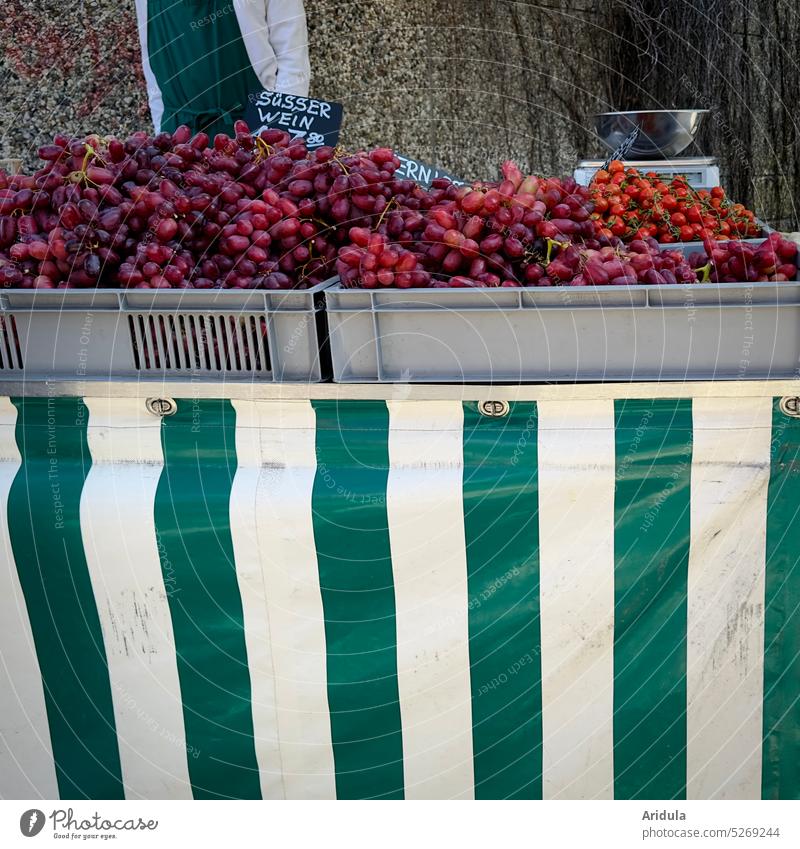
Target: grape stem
<point x="551" y="243"/>
<point x="706" y="272"/>
<point x="82" y="176"/>
<point x="264" y="149"/>
<point x="337" y="153"/>
<point x="383" y="214"/>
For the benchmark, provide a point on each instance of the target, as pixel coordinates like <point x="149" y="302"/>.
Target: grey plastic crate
<point x="203" y="334"/>
<point x="731" y="331"/>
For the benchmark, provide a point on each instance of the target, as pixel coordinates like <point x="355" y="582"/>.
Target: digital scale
<point x="702" y="172"/>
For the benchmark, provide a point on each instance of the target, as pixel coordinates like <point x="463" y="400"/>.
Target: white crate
<point x="277" y="335"/>
<point x="730" y="331"/>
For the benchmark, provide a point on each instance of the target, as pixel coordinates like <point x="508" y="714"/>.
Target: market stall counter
<point x="247" y="590"/>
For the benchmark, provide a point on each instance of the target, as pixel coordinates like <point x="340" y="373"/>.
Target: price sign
<point x="316" y="121"/>
<point x="411" y="169"/>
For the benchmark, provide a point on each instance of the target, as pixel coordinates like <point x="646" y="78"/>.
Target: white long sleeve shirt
<point x="276" y="39"/>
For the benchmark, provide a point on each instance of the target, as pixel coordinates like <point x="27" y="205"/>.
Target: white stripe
<point x="27" y="770"/>
<point x="154" y="93"/>
<point x="425" y="507"/>
<point x="244" y="518"/>
<point x="576" y="529"/>
<point x="122" y="554"/>
<point x="725" y="629"/>
<point x="276" y="562"/>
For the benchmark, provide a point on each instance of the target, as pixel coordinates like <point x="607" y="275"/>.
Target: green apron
<point x="200" y="62"/>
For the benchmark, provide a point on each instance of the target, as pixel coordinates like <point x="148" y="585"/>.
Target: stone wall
<point x="460" y="83"/>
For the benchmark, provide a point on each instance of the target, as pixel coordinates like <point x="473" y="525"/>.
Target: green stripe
<point x="200" y="61"/>
<point x="651" y="545"/>
<point x="45" y="531"/>
<point x="355" y="568"/>
<point x="781" y="749"/>
<point x="194" y="539"/>
<point x="501" y="523"/>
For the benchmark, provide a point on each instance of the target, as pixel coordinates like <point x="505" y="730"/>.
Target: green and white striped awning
<point x="317" y="599"/>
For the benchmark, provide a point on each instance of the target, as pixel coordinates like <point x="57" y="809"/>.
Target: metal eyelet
<point x="161" y="406"/>
<point x="494" y="409"/>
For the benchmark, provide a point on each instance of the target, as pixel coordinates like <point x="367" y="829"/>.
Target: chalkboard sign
<point x="411" y="169"/>
<point x="317" y="121"/>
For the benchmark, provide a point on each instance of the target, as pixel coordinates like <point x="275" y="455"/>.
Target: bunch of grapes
<point x="180" y="210"/>
<point x="248" y="212"/>
<point x="641" y="263"/>
<point x="24" y="222"/>
<point x="370" y="261"/>
<point x="156" y="266"/>
<point x="266" y="244"/>
<point x="108" y="212"/>
<point x="489" y="235"/>
<point x="774" y="260"/>
<point x="495" y="233"/>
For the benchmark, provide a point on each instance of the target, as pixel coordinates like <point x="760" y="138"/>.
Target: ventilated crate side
<point x="272" y="336"/>
<point x="693" y="332"/>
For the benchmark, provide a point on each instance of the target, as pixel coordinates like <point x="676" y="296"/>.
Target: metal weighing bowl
<point x="664" y="133"/>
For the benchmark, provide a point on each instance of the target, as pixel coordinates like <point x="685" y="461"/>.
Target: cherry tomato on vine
<point x="617" y="226"/>
<point x="694" y="214"/>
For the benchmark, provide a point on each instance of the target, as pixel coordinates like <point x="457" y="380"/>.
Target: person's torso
<point x="202" y="54"/>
